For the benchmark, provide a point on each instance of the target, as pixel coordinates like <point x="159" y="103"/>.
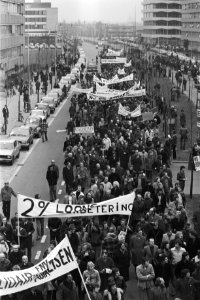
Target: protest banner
<point x="84" y="130"/>
<point x="124" y="112"/>
<point x="117" y="60"/>
<point x="59" y="261"/>
<point x="196" y="163"/>
<point x="34" y="208"/>
<point x="76" y="90"/>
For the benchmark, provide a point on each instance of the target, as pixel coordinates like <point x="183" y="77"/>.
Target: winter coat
<point x="142" y="272"/>
<point x="67" y="292"/>
<point x="137" y="244"/>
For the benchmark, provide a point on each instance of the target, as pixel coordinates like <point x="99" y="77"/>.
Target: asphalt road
<point x="30" y="177"/>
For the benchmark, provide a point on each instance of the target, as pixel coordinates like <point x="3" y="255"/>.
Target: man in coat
<point x="52" y="176"/>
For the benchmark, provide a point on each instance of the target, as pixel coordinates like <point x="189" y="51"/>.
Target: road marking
<point x="43" y="239"/>
<point x="59" y="192"/>
<point x="38" y="254"/>
<point x="36" y="142"/>
<point x="62" y="183"/>
<point x="57" y="200"/>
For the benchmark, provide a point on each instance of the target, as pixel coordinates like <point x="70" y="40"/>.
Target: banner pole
<point x="18" y="223"/>
<point x="129" y="217"/>
<point x="84" y="283"/>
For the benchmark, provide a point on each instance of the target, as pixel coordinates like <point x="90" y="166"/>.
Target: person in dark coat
<point x="67" y="289"/>
<point x="32" y="294"/>
<point x="54" y="225"/>
<point x="15" y="255"/>
<point x="52" y="176"/>
<point x="68" y="177"/>
<point x="137" y="243"/>
<point x="104" y="265"/>
<point x="185" y="263"/>
<point x="122" y="260"/>
<point x="186" y="286"/>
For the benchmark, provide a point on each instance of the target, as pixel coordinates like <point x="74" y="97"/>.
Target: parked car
<point x="45" y="107"/>
<point x="9" y="149"/>
<point x="52" y="47"/>
<point x="55" y="97"/>
<point x="50" y="101"/>
<point x="38" y="112"/>
<point x="34" y="122"/>
<point x="24" y="135"/>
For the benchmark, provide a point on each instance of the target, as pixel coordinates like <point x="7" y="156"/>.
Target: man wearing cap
<point x="6" y="194"/>
<point x="52" y="176"/>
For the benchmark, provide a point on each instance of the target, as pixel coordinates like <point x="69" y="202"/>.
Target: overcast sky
<point x="98" y="10"/>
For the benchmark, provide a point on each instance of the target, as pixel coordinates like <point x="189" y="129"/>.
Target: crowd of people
<point x="123" y="155"/>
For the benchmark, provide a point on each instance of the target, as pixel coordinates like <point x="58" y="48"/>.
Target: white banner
<point x="110" y="95"/>
<point x="114" y="53"/>
<point x="34" y="208"/>
<point x="60" y="261"/>
<point x="76" y="90"/>
<point x="196" y="163"/>
<point x="124" y="112"/>
<point x="84" y="129"/>
<point x="117" y="60"/>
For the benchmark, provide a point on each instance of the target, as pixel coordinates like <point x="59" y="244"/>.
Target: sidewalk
<point x="12" y="103"/>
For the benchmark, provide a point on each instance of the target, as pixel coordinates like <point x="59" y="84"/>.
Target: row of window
<point x="36" y="20"/>
<point x="7" y="7"/>
<point x="194" y="15"/>
<point x="163" y="14"/>
<point x="11" y="29"/>
<point x="10" y="53"/>
<point x="35" y="12"/>
<point x="194" y="5"/>
<point x="162" y="6"/>
<point x="162" y="23"/>
<point x="163" y="31"/>
<point x="191" y="25"/>
<point x="34" y="26"/>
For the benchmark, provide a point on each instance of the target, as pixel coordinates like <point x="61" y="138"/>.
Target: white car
<point x="52" y="47"/>
<point x="38" y="113"/>
<point x="55" y="97"/>
<point x="9" y="149"/>
<point x="50" y="101"/>
<point x="45" y="107"/>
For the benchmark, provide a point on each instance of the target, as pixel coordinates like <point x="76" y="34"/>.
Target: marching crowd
<point x="121" y="156"/>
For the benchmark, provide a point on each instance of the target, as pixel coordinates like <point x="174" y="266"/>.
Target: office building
<point x="11" y="35"/>
<point x="162" y="22"/>
<point x="40" y="18"/>
<point x="191" y="27"/>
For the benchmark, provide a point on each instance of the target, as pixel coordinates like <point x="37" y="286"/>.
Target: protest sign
<point x="84" y="130"/>
<point x="60" y="261"/>
<point x="124" y="112"/>
<point x="196" y="163"/>
<point x="34" y="208"/>
<point x="117" y="60"/>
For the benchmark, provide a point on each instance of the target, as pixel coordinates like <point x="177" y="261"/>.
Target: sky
<point x="108" y="11"/>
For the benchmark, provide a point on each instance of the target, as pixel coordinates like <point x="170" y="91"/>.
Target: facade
<point x="40" y="18"/>
<point x="191" y="26"/>
<point x="120" y="31"/>
<point x="11" y="35"/>
<point x="162" y="22"/>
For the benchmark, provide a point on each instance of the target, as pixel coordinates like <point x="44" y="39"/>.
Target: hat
<point x="53" y="161"/>
<point x="15" y="246"/>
